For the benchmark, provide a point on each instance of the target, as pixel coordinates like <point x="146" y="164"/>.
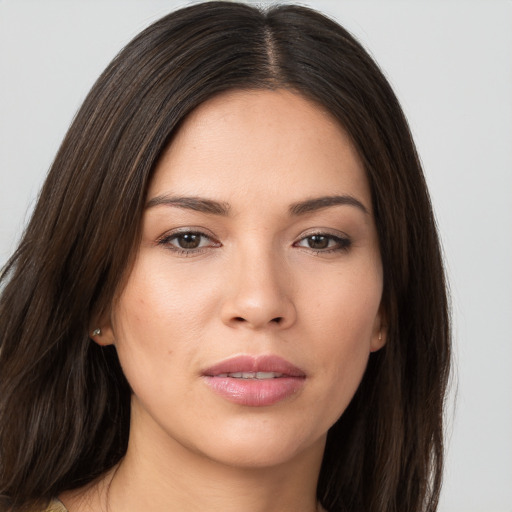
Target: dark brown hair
<point x="64" y="402"/>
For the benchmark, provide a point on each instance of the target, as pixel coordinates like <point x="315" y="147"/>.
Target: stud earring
<point x="96" y="332"/>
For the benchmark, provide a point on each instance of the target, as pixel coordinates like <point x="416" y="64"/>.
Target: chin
<point x="264" y="450"/>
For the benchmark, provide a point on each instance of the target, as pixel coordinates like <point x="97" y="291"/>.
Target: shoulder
<point x="53" y="506"/>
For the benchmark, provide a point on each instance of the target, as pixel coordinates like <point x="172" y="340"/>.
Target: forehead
<point x="265" y="143"/>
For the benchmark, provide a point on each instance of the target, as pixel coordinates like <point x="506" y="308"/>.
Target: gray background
<point x="451" y="65"/>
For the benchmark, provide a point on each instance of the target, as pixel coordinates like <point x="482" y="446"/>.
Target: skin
<point x="257" y="153"/>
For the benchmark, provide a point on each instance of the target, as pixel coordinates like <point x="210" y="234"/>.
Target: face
<point x="247" y="320"/>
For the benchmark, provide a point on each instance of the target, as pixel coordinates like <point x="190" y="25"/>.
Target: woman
<point x="230" y="294"/>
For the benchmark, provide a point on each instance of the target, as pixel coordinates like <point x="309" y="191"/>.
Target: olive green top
<point x="56" y="506"/>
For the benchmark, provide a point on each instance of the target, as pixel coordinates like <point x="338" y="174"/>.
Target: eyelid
<point x="165" y="239"/>
<point x="330" y="232"/>
<point x="343" y="240"/>
<point x="188" y="229"/>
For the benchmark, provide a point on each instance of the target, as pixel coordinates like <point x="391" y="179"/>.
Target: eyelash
<point x="166" y="241"/>
<point x="341" y="244"/>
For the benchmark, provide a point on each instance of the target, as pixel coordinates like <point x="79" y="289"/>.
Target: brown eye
<point x="188" y="240"/>
<point x="318" y="242"/>
<point x="324" y="243"/>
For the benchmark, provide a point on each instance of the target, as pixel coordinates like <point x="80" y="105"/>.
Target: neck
<point x="165" y="475"/>
<point x="175" y="483"/>
<point x="159" y="473"/>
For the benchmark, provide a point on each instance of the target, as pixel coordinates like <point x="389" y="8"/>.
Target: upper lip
<point x="248" y="363"/>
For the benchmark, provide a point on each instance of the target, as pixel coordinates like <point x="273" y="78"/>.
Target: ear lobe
<point x="378" y="340"/>
<point x="103" y="335"/>
<point x="379" y="331"/>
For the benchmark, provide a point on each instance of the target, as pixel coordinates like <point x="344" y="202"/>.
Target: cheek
<point x="345" y="307"/>
<point x="340" y="369"/>
<point x="345" y="343"/>
<point x="155" y="322"/>
<point x="344" y="322"/>
<point x="161" y="305"/>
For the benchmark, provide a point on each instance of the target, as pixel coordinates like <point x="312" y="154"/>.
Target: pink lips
<point x="266" y="380"/>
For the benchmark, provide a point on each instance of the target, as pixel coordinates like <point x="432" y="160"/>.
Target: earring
<point x="380" y="336"/>
<point x="96" y="332"/>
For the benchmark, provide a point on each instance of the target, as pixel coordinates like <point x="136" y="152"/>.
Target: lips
<point x="254" y="381"/>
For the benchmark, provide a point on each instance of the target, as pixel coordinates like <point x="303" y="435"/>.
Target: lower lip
<point x="255" y="392"/>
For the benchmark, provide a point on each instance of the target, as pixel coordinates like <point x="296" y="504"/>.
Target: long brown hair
<point x="64" y="402"/>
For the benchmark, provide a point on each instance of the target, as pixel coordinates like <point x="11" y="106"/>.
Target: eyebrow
<point x="319" y="203"/>
<point x="197" y="204"/>
<point x="221" y="208"/>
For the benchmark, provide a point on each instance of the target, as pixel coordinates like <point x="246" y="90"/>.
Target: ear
<point x="379" y="333"/>
<point x="102" y="333"/>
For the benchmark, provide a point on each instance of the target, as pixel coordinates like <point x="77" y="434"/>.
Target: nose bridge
<point x="260" y="293"/>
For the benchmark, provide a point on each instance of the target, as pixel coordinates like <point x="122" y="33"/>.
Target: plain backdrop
<point x="450" y="63"/>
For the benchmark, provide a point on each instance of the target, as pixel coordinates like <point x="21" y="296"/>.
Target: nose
<point x="259" y="294"/>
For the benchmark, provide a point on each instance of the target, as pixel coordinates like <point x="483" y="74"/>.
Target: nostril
<point x="276" y="320"/>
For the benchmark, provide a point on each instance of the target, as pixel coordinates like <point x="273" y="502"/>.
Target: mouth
<point x="252" y="375"/>
<point x="255" y="381"/>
